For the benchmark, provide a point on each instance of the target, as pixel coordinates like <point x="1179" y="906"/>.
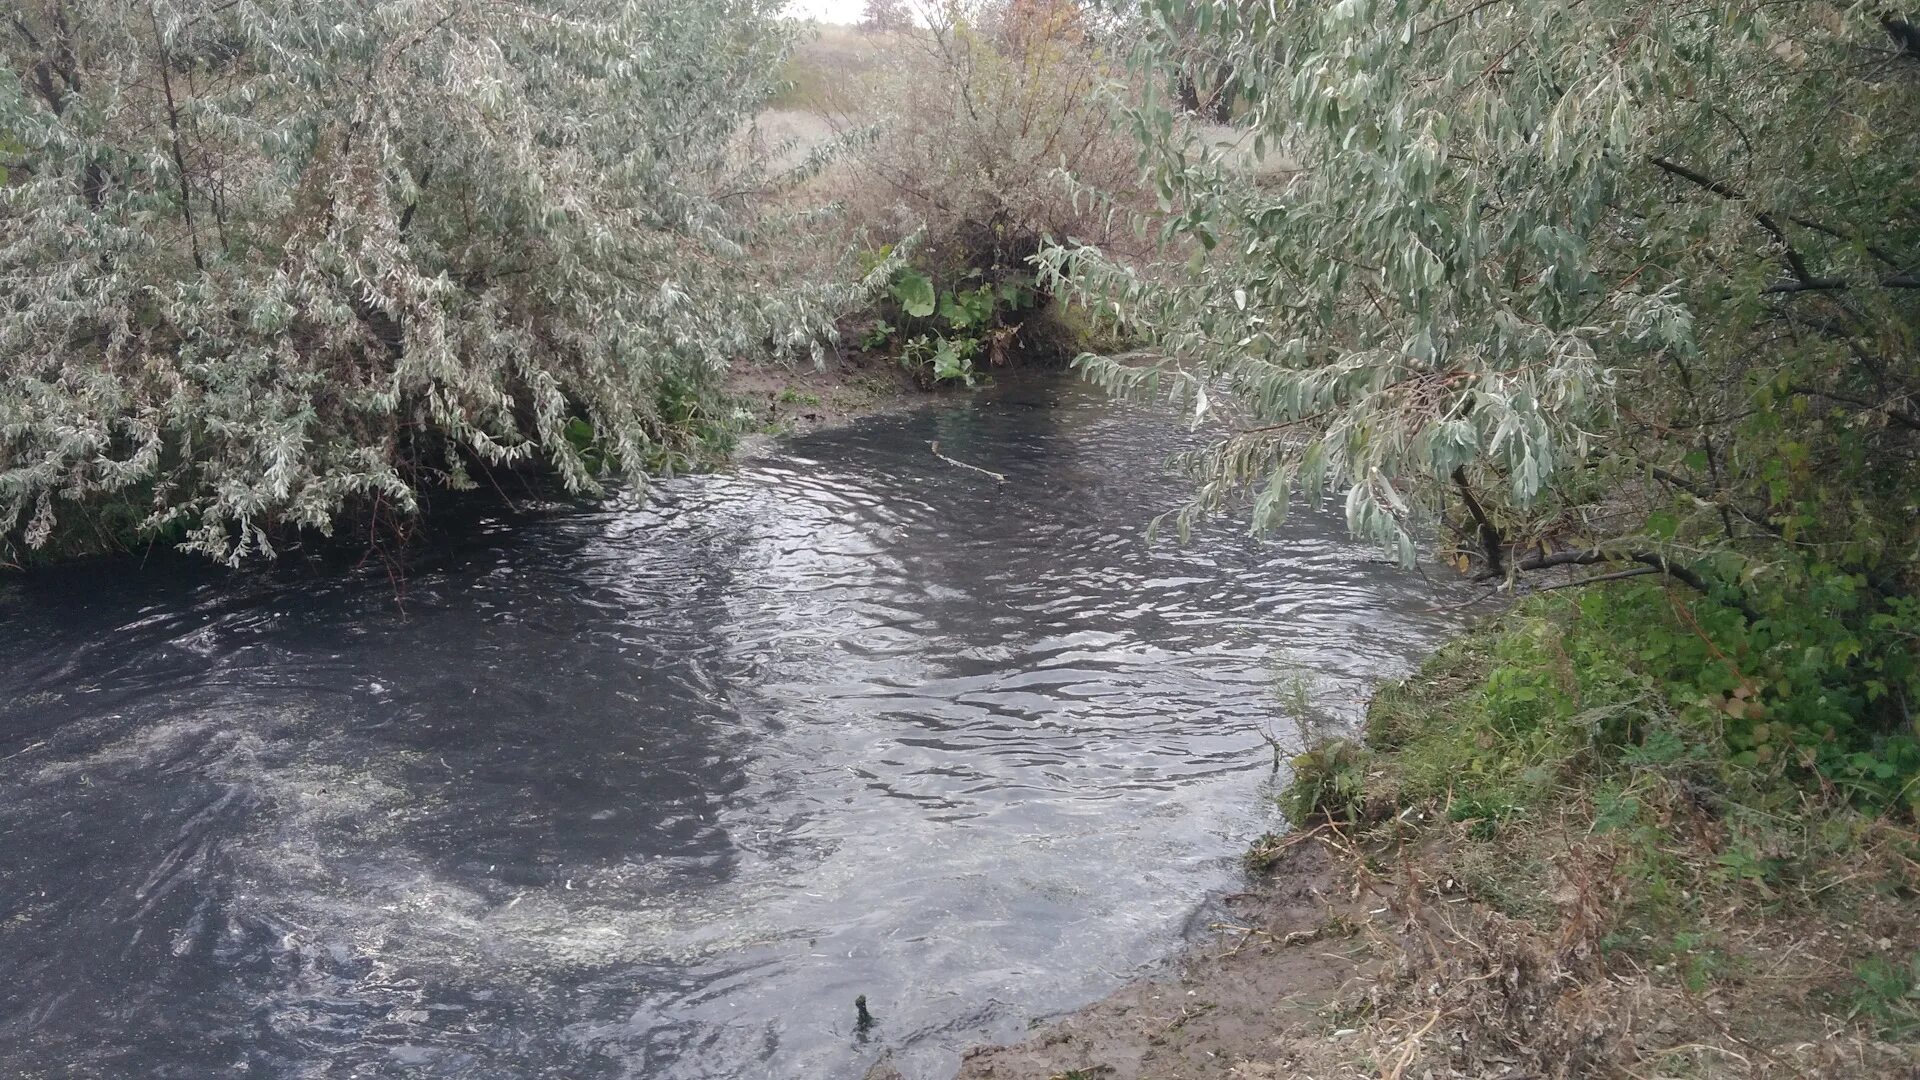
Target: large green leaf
<point x="913" y="290"/>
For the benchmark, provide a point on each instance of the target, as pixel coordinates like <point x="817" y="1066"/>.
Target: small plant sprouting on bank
<point x="941" y="359"/>
<point x="1329" y="783"/>
<point x="1307" y="696"/>
<point x="1888" y="995"/>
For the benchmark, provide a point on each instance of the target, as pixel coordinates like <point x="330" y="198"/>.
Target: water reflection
<point x="657" y="790"/>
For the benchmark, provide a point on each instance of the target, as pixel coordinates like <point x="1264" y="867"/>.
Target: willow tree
<point x="1598" y="280"/>
<point x="269" y="263"/>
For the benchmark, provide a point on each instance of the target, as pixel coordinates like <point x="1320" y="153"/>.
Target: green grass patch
<point x="1589" y="762"/>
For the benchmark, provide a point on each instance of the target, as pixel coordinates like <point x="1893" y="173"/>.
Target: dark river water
<point x="655" y="790"/>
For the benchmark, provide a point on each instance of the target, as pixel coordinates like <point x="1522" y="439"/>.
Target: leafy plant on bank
<point x="948" y="335"/>
<point x="270" y="266"/>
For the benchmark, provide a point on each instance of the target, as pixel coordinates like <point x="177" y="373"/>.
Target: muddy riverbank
<point x="1247" y="1001"/>
<point x="1412" y="933"/>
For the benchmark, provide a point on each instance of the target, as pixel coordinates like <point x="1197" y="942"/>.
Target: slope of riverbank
<point x="1624" y="907"/>
<point x="804" y="397"/>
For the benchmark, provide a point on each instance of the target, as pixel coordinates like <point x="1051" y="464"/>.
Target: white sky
<point x="840" y="11"/>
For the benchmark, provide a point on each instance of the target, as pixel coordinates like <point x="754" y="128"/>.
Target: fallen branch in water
<point x="935" y="447"/>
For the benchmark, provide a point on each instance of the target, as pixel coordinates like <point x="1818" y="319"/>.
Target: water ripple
<point x="654" y="790"/>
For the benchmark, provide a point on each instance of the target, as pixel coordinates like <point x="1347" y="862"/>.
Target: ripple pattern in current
<point x="655" y="790"/>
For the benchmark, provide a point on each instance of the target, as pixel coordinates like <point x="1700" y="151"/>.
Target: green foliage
<point x="689" y="407"/>
<point x="978" y="125"/>
<point x="878" y="335"/>
<point x="953" y="359"/>
<point x="268" y="264"/>
<point x="1329" y="781"/>
<point x="941" y="359"/>
<point x="913" y="291"/>
<point x="1578" y="763"/>
<point x="1639" y="679"/>
<point x="1613" y="281"/>
<point x="964" y="310"/>
<point x="585" y="442"/>
<point x="873" y="259"/>
<point x="949" y="333"/>
<point x="1555" y="250"/>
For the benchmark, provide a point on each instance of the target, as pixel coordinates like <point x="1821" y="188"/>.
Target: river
<point x="656" y="789"/>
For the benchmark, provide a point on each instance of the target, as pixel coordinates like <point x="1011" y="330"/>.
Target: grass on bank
<point x="1616" y="853"/>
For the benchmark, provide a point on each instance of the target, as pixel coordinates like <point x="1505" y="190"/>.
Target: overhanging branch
<point x="1653" y="559"/>
<point x="1801" y="279"/>
<point x="1897" y="417"/>
<point x="1894" y="281"/>
<point x="1596" y="579"/>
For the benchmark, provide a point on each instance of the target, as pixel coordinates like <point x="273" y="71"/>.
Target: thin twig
<point x="1638" y="571"/>
<point x="1450" y="20"/>
<point x="935" y="447"/>
<point x="1413" y="1047"/>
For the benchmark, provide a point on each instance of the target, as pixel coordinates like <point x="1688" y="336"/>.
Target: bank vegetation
<point x="1611" y="306"/>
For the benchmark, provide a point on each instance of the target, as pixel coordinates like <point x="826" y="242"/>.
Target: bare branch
<point x="1802" y="280"/>
<point x="1596" y="579"/>
<point x="1491" y="542"/>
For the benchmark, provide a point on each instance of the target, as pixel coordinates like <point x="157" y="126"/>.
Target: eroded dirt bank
<point x="851" y="383"/>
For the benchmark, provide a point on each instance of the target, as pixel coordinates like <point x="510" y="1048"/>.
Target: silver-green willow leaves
<point x="1476" y="252"/>
<point x="262" y="261"/>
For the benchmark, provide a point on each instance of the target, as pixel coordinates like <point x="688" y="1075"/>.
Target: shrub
<point x="981" y="119"/>
<point x="1601" y="285"/>
<point x="1534" y="255"/>
<point x="966" y="141"/>
<point x="1329" y="782"/>
<point x="269" y="264"/>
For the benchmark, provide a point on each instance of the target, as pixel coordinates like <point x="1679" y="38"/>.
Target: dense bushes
<point x="979" y="122"/>
<point x="1537" y="255"/>
<point x="269" y="263"/>
<point x="1610" y="288"/>
<point x="949" y="335"/>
